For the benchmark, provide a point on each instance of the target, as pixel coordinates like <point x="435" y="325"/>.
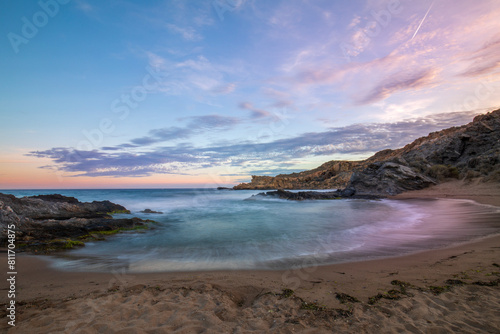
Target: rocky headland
<point x="468" y="152"/>
<point x="46" y="223"/>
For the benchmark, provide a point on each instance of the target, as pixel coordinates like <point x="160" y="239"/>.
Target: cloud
<point x="196" y="76"/>
<point x="84" y="6"/>
<point x="196" y="125"/>
<point x="162" y="135"/>
<point x="188" y="34"/>
<point x="212" y="122"/>
<point x="354" y="22"/>
<point x="385" y="61"/>
<point x="399" y="82"/>
<point x="285" y="15"/>
<point x="484" y="60"/>
<point x="256" y="113"/>
<point x="358" y="138"/>
<point x="224" y="89"/>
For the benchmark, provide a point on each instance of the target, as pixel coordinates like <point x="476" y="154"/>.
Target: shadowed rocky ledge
<point x="46" y="223"/>
<point x="312" y="195"/>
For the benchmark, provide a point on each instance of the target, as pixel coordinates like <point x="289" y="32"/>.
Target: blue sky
<point x="194" y="93"/>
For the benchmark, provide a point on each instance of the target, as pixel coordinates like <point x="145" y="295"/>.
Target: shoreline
<point x="252" y="295"/>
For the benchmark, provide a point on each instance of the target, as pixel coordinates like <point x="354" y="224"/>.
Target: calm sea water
<point x="208" y="229"/>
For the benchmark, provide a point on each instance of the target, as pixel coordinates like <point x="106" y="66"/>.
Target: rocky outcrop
<point x="50" y="222"/>
<point x="312" y="195"/>
<point x="59" y="207"/>
<point x="330" y="175"/>
<point x="465" y="152"/>
<point x="388" y="178"/>
<point x="151" y="211"/>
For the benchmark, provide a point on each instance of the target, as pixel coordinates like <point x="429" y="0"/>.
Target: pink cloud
<point x="484" y="60"/>
<point x="397" y="83"/>
<point x="256" y="113"/>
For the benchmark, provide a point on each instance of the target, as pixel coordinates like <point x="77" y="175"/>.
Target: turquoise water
<point x="208" y="229"/>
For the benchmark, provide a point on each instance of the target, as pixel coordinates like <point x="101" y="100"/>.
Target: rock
<point x="56" y="198"/>
<point x="41" y="221"/>
<point x="224" y="188"/>
<point x="310" y="195"/>
<point x="388" y="178"/>
<point x="348" y="192"/>
<point x="151" y="211"/>
<point x="59" y="207"/>
<point x="330" y="175"/>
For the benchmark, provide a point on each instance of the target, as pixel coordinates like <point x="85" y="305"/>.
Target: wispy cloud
<point x="484" y="60"/>
<point x="399" y="82"/>
<point x="256" y="113"/>
<point x="196" y="125"/>
<point x="163" y="135"/>
<point x="196" y="76"/>
<point x="84" y="6"/>
<point x="188" y="33"/>
<point x="401" y="56"/>
<point x="225" y="89"/>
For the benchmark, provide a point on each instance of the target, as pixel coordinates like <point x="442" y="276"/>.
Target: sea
<point x="210" y="229"/>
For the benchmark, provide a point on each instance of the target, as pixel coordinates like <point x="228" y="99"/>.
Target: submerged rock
<point x="151" y="211"/>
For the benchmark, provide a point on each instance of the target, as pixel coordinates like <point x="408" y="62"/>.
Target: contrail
<point x="425" y="16"/>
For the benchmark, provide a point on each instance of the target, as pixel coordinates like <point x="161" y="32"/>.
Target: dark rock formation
<point x="388" y="178"/>
<point x="466" y="152"/>
<point x="311" y="195"/>
<point x="41" y="221"/>
<point x="56" y="198"/>
<point x="151" y="211"/>
<point x="59" y="207"/>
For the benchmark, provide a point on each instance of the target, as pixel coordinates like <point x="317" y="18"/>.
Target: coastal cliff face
<point x="330" y="175"/>
<point x="467" y="152"/>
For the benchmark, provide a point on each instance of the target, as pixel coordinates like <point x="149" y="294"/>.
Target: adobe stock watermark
<point x="362" y="37"/>
<point x="222" y="6"/>
<point x="31" y="26"/>
<point x="120" y="108"/>
<point x="481" y="92"/>
<point x="294" y="277"/>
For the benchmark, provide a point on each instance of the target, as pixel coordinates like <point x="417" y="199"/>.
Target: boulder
<point x="151" y="211"/>
<point x="388" y="178"/>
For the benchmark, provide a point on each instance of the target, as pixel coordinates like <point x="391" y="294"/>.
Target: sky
<point x="195" y="93"/>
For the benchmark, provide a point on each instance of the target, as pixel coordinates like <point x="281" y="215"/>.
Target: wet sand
<point x="452" y="290"/>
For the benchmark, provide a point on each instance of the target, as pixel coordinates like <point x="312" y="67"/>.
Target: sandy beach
<point x="452" y="290"/>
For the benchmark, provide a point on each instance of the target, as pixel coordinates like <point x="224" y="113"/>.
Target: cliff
<point x="466" y="152"/>
<point x="330" y="175"/>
